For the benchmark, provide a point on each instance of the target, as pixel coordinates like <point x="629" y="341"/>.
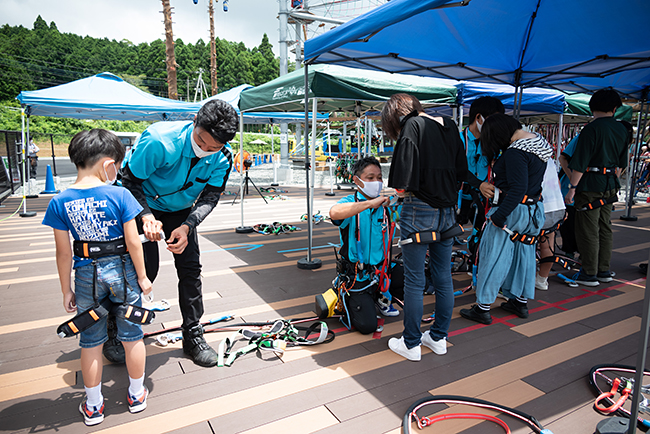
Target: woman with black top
<point x="428" y="165"/>
<point x="518" y="160"/>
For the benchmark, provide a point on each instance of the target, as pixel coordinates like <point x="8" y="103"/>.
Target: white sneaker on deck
<point x="439" y="347"/>
<point x="399" y="347"/>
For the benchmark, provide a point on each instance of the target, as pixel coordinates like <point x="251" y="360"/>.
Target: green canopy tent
<point x="338" y="88"/>
<point x="578" y="104"/>
<point x="335" y="88"/>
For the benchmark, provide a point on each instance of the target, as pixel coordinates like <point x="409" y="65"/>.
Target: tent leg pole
<point x="329" y="161"/>
<point x="242" y="229"/>
<point x="308" y="263"/>
<point x="635" y="157"/>
<point x="640" y="359"/>
<point x="558" y="149"/>
<point x="25" y="213"/>
<point x="275" y="168"/>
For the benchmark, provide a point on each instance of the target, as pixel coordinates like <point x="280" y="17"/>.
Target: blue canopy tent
<point x="103" y="96"/>
<point x="523" y="43"/>
<point x="517" y="42"/>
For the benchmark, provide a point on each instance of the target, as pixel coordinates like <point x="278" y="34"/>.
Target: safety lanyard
<point x="357" y="236"/>
<point x="186" y="184"/>
<point x="387" y="234"/>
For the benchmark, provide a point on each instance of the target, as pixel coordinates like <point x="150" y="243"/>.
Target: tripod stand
<point x="248" y="179"/>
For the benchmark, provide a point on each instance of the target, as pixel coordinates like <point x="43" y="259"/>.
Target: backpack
<point x="554" y="208"/>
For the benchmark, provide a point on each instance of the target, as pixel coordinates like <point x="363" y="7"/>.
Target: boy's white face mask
<point x="371" y="188"/>
<point x="197" y="149"/>
<point x="109" y="180"/>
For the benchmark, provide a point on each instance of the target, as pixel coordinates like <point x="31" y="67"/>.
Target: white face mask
<point x="197" y="150"/>
<point x="480" y="126"/>
<point x="371" y="188"/>
<point x="110" y="181"/>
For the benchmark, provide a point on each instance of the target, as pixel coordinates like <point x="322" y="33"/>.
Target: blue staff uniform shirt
<point x="162" y="158"/>
<point x="92" y="214"/>
<point x="371" y="234"/>
<point x="477" y="164"/>
<point x="568" y="151"/>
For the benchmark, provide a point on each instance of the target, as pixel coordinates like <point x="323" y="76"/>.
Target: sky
<point x="142" y="20"/>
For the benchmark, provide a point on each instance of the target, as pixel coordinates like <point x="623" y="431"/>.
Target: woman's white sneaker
<point x="439" y="347"/>
<point x="399" y="347"/>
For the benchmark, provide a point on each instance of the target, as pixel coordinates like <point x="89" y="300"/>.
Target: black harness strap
<point x="427" y="237"/>
<point x="598" y="203"/>
<point x="87" y="318"/>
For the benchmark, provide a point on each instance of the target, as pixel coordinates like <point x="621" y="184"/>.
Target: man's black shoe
<point x="113" y="349"/>
<point x="586" y="279"/>
<point x="517" y="307"/>
<point x="197" y="348"/>
<point x="477" y="314"/>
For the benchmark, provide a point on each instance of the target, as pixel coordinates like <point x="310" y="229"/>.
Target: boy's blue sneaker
<point x="92" y="416"/>
<point x="136" y="405"/>
<point x="388" y="310"/>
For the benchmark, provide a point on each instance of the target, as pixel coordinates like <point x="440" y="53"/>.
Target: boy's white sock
<point x="94" y="395"/>
<point x="136" y="386"/>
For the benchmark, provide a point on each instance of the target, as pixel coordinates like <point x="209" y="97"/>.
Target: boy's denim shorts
<point x="110" y="283"/>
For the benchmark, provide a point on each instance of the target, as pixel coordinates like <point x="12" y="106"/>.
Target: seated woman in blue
<point x="518" y="159"/>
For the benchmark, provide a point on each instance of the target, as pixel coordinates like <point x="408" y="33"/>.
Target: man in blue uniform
<point x="177" y="171"/>
<point x="477" y="166"/>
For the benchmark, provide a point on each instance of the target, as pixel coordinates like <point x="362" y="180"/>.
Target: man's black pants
<point x="188" y="267"/>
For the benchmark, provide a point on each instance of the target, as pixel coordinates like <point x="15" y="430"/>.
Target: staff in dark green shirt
<point x="601" y="150"/>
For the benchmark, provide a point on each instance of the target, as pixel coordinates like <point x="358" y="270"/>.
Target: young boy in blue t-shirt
<point x="90" y="210"/>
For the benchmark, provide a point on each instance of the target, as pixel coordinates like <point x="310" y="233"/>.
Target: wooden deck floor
<point x="354" y="384"/>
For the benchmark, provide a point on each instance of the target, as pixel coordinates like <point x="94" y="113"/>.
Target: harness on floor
<point x="282" y="334"/>
<point x="86" y="319"/>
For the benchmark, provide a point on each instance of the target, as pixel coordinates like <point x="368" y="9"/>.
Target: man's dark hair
<point x="219" y="119"/>
<point x="605" y="100"/>
<point x="398" y="106"/>
<point x="485" y="106"/>
<point x="88" y="147"/>
<point x="364" y="162"/>
<point x="496" y="134"/>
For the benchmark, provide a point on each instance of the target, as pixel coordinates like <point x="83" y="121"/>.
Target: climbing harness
<point x="602" y="170"/>
<point x="281" y="335"/>
<point x="275" y="228"/>
<point x="526" y="238"/>
<point x="427" y="237"/>
<point x="316" y="218"/>
<point x="598" y="203"/>
<point x="448" y="400"/>
<point x="272" y="190"/>
<point x="86" y="319"/>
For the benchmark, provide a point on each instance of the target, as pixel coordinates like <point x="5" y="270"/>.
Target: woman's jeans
<point x="417" y="216"/>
